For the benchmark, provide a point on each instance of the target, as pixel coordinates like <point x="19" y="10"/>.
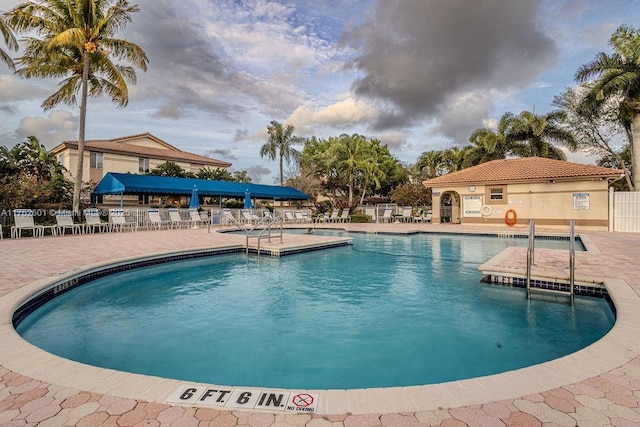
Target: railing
<point x="572" y="258"/>
<point x="275" y="220"/>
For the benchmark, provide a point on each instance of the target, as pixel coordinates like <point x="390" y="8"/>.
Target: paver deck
<point x="599" y="385"/>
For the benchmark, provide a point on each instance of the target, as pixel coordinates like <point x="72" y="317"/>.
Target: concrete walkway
<point x="599" y="385"/>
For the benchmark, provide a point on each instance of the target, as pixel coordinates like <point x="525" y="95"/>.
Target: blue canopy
<point x="125" y="183"/>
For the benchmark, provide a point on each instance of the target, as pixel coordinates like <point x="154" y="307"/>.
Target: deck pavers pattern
<point x="608" y="398"/>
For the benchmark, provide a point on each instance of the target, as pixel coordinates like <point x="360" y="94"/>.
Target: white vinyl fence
<point x="624" y="208"/>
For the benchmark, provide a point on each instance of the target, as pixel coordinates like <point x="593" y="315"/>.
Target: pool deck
<point x="599" y="385"/>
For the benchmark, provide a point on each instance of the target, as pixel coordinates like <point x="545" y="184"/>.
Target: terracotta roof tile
<point x="117" y="146"/>
<point x="527" y="168"/>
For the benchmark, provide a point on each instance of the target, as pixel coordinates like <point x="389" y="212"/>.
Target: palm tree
<point x="9" y="41"/>
<point x="75" y="41"/>
<point x="429" y="165"/>
<point x="533" y="135"/>
<point x="488" y="144"/>
<point x="280" y="144"/>
<point x="616" y="78"/>
<point x="346" y="155"/>
<point x="454" y="158"/>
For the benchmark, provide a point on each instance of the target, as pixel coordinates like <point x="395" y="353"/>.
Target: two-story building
<point x="136" y="154"/>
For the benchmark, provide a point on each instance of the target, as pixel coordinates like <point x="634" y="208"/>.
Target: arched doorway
<point x="450" y="207"/>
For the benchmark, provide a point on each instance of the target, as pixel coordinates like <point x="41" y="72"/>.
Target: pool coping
<point x="615" y="349"/>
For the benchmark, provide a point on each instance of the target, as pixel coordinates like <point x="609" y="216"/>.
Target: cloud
<point x="13" y="89"/>
<point x="343" y="113"/>
<point x="58" y="126"/>
<point x="421" y="57"/>
<point x="256" y="173"/>
<point x="241" y="135"/>
<point x="221" y="154"/>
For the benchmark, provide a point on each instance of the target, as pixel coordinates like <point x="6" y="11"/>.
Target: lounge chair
<point x="119" y="221"/>
<point x="196" y="219"/>
<point x="323" y="217"/>
<point x="387" y="215"/>
<point x="288" y="217"/>
<point x="64" y="222"/>
<point x="204" y="217"/>
<point x="429" y="217"/>
<point x="248" y="217"/>
<point x="155" y="220"/>
<point x="92" y="221"/>
<point x="406" y="214"/>
<point x="175" y="220"/>
<point x="23" y="219"/>
<point x="227" y="217"/>
<point x="334" y="216"/>
<point x="344" y="216"/>
<point x="302" y="217"/>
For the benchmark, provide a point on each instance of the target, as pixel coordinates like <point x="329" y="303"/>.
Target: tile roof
<point x="117" y="145"/>
<point x="523" y="169"/>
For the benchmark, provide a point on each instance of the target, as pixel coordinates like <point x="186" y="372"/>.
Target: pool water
<point x="387" y="311"/>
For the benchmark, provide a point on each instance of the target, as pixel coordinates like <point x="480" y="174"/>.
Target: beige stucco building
<point x="136" y="154"/>
<point x="552" y="192"/>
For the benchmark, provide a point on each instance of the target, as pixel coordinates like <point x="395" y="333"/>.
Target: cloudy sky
<point x="416" y="74"/>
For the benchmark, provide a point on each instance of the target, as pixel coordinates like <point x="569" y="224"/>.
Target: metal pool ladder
<point x="572" y="261"/>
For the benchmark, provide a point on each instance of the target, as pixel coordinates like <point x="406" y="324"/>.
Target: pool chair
<point x="227" y="218"/>
<point x="387" y="215"/>
<point x="406" y="214"/>
<point x="175" y="220"/>
<point x="323" y="217"/>
<point x="302" y="217"/>
<point x="344" y="216"/>
<point x="334" y="216"/>
<point x="429" y="217"/>
<point x="119" y="222"/>
<point x="248" y="217"/>
<point x="23" y="219"/>
<point x="289" y="217"/>
<point x="64" y="222"/>
<point x="195" y="218"/>
<point x="154" y="220"/>
<point x="92" y="221"/>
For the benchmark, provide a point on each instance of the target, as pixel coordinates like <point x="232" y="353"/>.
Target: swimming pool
<point x="298" y="322"/>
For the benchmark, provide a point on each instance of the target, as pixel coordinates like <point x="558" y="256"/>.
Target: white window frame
<point x="96" y="160"/>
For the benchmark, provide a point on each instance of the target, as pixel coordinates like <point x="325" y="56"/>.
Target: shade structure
<point x="194" y="203"/>
<point x="247" y="200"/>
<point x="123" y="183"/>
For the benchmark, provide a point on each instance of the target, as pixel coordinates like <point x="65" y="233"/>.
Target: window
<point x="496" y="194"/>
<point x="61" y="159"/>
<point x="95" y="160"/>
<point x="143" y="165"/>
<point x="143" y="199"/>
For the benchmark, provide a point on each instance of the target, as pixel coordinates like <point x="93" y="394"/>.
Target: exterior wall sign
<point x="581" y="201"/>
<point x="472" y="206"/>
<point x="272" y="400"/>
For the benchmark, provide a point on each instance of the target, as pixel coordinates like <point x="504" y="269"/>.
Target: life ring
<point x="510" y="218"/>
<point x="486" y="210"/>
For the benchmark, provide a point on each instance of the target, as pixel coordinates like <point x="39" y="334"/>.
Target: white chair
<point x="334" y="216"/>
<point x="227" y="217"/>
<point x="302" y="217"/>
<point x="288" y="217"/>
<point x="155" y="220"/>
<point x="196" y="219"/>
<point x="406" y="214"/>
<point x="387" y="215"/>
<point x="344" y="216"/>
<point x="119" y="221"/>
<point x="64" y="222"/>
<point x="23" y="220"/>
<point x="92" y="221"/>
<point x="248" y="217"/>
<point x="175" y="219"/>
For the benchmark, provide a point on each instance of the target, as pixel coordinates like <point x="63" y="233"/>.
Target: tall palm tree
<point x="280" y="144"/>
<point x="488" y="144"/>
<point x="74" y="40"/>
<point x="454" y="158"/>
<point x="616" y="78"/>
<point x="346" y="155"/>
<point x="534" y="134"/>
<point x="429" y="165"/>
<point x="10" y="41"/>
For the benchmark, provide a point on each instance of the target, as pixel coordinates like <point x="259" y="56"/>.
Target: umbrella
<point x="195" y="202"/>
<point x="247" y="200"/>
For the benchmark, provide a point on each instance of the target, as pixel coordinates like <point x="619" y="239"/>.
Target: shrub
<point x="360" y="218"/>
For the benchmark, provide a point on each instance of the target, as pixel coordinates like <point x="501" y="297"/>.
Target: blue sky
<point x="416" y="74"/>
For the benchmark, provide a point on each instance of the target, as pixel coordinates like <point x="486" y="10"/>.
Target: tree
<point x="170" y="168"/>
<point x="429" y="165"/>
<point x="453" y="158"/>
<point x="220" y="174"/>
<point x="616" y="78"/>
<point x="411" y="194"/>
<point x="10" y="41"/>
<point x="533" y="135"/>
<point x="488" y="144"/>
<point x="599" y="131"/>
<point x="74" y="40"/>
<point x="280" y="145"/>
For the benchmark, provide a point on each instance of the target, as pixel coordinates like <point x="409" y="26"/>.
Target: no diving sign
<point x="301" y="402"/>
